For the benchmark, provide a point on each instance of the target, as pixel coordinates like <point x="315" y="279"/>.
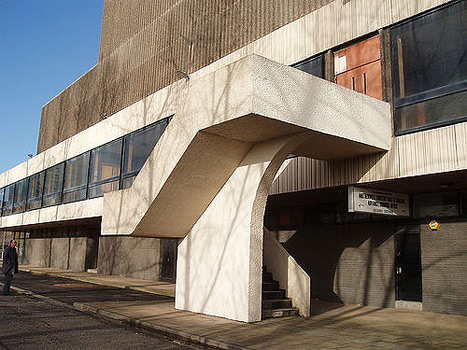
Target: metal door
<point x="168" y="259"/>
<point x="408" y="264"/>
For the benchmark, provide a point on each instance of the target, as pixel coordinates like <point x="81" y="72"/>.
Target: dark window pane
<point x="105" y="167"/>
<point x="8" y="199"/>
<point x="76" y="176"/>
<point x="21" y="189"/>
<point x="314" y="66"/>
<point x="429" y="57"/>
<point x="431" y="51"/>
<point x="99" y="190"/>
<point x="53" y="185"/>
<point x="436" y="204"/>
<point x="2" y="191"/>
<point x="36" y="185"/>
<point x="139" y="145"/>
<point x="432" y="112"/>
<point x="128" y="181"/>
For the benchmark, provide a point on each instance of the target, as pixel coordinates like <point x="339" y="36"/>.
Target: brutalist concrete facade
<point x="153" y="52"/>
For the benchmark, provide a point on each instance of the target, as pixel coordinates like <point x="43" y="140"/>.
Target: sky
<point x="45" y="45"/>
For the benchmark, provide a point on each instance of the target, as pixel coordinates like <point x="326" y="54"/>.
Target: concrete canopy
<point x="220" y="118"/>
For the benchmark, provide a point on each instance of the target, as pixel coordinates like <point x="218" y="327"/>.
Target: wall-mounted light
<point x="30" y="155"/>
<point x="103" y="115"/>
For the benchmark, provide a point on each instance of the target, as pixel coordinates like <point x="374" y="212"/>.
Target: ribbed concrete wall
<point x="130" y="256"/>
<point x="428" y="152"/>
<point x="38" y="251"/>
<point x="145" y="42"/>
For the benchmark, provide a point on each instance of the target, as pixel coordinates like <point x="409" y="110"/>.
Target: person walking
<point x="10" y="265"/>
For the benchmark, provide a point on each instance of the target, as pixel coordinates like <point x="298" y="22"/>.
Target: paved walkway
<point x="333" y="326"/>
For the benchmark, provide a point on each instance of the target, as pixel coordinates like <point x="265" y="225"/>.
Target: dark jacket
<point x="10" y="261"/>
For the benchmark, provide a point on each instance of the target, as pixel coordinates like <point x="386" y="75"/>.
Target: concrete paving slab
<point x="148" y="286"/>
<point x="347" y="327"/>
<point x="332" y="326"/>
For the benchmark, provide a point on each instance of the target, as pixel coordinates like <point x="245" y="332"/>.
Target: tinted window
<point x="21" y="189"/>
<point x="436" y="204"/>
<point x="314" y="66"/>
<point x="53" y="185"/>
<point x="2" y="190"/>
<point x="105" y="168"/>
<point x="36" y="185"/>
<point x="8" y="199"/>
<point x="76" y="177"/>
<point x="430" y="67"/>
<point x="138" y="146"/>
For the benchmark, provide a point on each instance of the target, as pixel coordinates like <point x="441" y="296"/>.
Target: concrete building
<point x="219" y="145"/>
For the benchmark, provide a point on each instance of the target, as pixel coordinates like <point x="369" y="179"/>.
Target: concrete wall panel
<point x="461" y="143"/>
<point x="77" y="256"/>
<point x="38" y="251"/>
<point x="59" y="250"/>
<point x="130" y="256"/>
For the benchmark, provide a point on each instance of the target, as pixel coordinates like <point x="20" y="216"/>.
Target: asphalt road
<point x="37" y="324"/>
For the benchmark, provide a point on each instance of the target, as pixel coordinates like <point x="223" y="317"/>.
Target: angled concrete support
<point x="219" y="267"/>
<point x="220" y="116"/>
<point x="208" y="178"/>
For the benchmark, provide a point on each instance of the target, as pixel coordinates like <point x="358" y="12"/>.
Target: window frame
<point x="115" y="178"/>
<point x="2" y="193"/>
<point x="60" y="192"/>
<point x="424" y="96"/>
<point x="76" y="188"/>
<point x="40" y="175"/>
<point x="124" y="176"/>
<point x="59" y="195"/>
<point x="320" y="56"/>
<point x="10" y="187"/>
<point x="22" y="203"/>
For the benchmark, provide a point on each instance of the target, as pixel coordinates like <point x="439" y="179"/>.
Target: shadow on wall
<point x="130" y="257"/>
<point x="348" y="263"/>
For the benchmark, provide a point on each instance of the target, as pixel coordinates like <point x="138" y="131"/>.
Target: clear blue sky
<point x="45" y="45"/>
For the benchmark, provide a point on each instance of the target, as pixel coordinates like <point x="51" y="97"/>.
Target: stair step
<point x="267" y="286"/>
<point x="284" y="312"/>
<point x="273" y="294"/>
<point x="267" y="276"/>
<point x="277" y="304"/>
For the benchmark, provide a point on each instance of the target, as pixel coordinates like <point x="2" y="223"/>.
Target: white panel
<point x="461" y="143"/>
<point x="428" y="152"/>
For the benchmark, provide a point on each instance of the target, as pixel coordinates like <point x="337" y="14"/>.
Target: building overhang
<point x="223" y="115"/>
<point x="219" y="117"/>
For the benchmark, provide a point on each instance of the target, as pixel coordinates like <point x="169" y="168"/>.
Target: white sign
<point x="365" y="200"/>
<point x="340" y="64"/>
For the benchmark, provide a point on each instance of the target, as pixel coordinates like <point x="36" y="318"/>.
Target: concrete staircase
<point x="275" y="303"/>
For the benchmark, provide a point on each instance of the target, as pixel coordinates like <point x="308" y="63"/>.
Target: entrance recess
<point x="207" y="179"/>
<point x="408" y="264"/>
<point x="169" y="259"/>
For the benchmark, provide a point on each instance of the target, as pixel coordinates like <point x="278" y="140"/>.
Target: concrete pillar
<point x="219" y="267"/>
